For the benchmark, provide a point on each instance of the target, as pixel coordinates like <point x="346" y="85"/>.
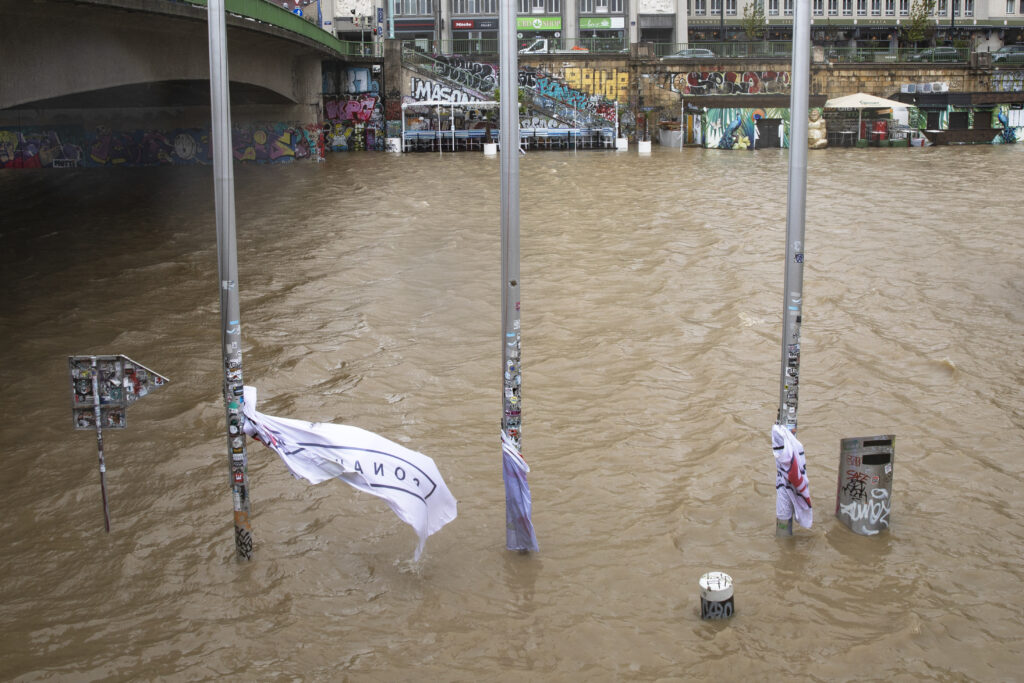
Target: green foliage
<point x="753" y="19"/>
<point x="918" y="25"/>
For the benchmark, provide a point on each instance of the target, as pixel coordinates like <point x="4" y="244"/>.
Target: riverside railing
<point x="263" y="11"/>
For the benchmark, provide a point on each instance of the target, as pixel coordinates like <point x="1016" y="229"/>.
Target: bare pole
<point x="227" y="270"/>
<point x="99" y="442"/>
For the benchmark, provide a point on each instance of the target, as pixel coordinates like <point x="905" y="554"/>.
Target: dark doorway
<point x="768" y="133"/>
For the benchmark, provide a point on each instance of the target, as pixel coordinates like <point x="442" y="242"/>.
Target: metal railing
<point x="267" y="13"/>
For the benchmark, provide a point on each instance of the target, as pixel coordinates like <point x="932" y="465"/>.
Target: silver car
<point x="691" y="53"/>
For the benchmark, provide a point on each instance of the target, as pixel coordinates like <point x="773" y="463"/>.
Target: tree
<point x="919" y="26"/>
<point x="753" y="19"/>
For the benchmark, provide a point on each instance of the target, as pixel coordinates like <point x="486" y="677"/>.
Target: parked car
<point x="1012" y="54"/>
<point x="936" y="54"/>
<point x="691" y="53"/>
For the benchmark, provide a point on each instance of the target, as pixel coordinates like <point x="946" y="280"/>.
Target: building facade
<point x="603" y="24"/>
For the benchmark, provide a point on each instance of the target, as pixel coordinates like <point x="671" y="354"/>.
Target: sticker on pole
<point x="120" y="382"/>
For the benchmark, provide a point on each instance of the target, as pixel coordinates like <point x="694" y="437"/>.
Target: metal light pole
<point x="796" y="209"/>
<point x="519" y="527"/>
<point x="391" y="19"/>
<point x="227" y="270"/>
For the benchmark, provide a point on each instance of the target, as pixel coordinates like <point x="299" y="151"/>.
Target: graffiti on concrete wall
<point x="424" y="90"/>
<point x="71" y="146"/>
<point x="1008" y="81"/>
<point x="480" y="77"/>
<point x="727" y="82"/>
<point x="1011" y="123"/>
<point x="355" y="118"/>
<point x="611" y="85"/>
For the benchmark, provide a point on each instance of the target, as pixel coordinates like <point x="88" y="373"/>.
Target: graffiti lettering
<point x="874" y="511"/>
<point x="716" y="610"/>
<point x="423" y="90"/>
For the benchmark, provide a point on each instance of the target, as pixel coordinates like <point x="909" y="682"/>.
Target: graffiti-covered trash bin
<point x="864" y="488"/>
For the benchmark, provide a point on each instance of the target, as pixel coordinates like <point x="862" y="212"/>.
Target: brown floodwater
<point x="651" y="312"/>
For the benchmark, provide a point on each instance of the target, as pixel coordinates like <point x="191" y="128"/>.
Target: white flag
<point x="317" y="451"/>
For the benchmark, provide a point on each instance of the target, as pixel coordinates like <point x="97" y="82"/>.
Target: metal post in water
<point x="99" y="442"/>
<point x="519" y="527"/>
<point x="796" y="209"/>
<point x="227" y="270"/>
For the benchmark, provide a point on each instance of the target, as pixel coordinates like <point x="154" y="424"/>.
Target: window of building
<point x="941" y="8"/>
<point x="876" y="8"/>
<point x="847" y="8"/>
<point x="773" y="8"/>
<point x="730" y="8"/>
<point x="968" y="8"/>
<point x="716" y="7"/>
<point x="819" y="7"/>
<point x="787" y="8"/>
<point x="700" y="7"/>
<point x="601" y="6"/>
<point x="1009" y="6"/>
<point x="890" y="8"/>
<point x="414" y="7"/>
<point x="833" y="7"/>
<point x="862" y="7"/>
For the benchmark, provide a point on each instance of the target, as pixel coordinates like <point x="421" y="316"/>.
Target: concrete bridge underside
<point x="145" y="61"/>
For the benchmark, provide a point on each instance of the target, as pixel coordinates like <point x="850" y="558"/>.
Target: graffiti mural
<point x="1010" y="122"/>
<point x="611" y="85"/>
<point x="727" y="82"/>
<point x="425" y="90"/>
<point x="355" y="119"/>
<point x="72" y="146"/>
<point x="735" y="128"/>
<point x="1008" y="81"/>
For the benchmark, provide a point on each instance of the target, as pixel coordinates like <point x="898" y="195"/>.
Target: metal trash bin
<point x="864" y="486"/>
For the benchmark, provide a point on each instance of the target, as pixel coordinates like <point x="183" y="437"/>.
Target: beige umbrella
<point x="861" y="101"/>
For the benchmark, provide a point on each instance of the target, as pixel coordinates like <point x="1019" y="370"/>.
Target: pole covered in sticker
<point x="796" y="208"/>
<point x="519" y="526"/>
<point x="227" y="271"/>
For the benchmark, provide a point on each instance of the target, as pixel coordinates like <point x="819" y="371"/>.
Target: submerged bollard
<point x="864" y="486"/>
<point x="716" y="600"/>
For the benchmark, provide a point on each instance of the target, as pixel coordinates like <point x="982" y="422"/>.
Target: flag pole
<point x="519" y="527"/>
<point x="227" y="271"/>
<point x="796" y="209"/>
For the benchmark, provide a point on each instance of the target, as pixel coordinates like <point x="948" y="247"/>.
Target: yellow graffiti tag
<point x="613" y="85"/>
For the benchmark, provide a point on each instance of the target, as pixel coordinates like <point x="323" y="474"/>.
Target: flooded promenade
<point x="651" y="313"/>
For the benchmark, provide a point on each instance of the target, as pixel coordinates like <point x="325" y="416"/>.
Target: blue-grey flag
<point x="519" y="534"/>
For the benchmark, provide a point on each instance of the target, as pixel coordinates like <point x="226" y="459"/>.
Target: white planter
<point x="394" y="145"/>
<point x="643" y="146"/>
<point x="621" y="144"/>
<point x="490" y="148"/>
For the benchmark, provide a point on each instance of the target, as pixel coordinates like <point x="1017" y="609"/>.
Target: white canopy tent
<point x="862" y="100"/>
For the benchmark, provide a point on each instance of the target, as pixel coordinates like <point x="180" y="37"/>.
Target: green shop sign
<point x="538" y="23"/>
<point x="595" y="23"/>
